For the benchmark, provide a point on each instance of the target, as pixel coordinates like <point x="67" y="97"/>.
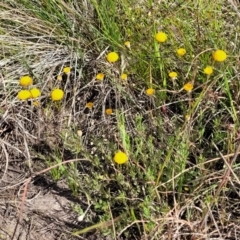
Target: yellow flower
<point x="25" y="81"/>
<point x="100" y="76"/>
<point x="181" y="52"/>
<point x="188" y="87"/>
<point x="35" y="92"/>
<point x="59" y="78"/>
<point x="112" y="57"/>
<point x="127" y="44"/>
<point x="89" y="105"/>
<point x="219" y="55"/>
<point x="150" y="91"/>
<point x="208" y="70"/>
<point x="24" y="94"/>
<point x="124" y="76"/>
<point x="120" y="157"/>
<point x="108" y="111"/>
<point x="57" y="94"/>
<point x="172" y="75"/>
<point x="187" y="117"/>
<point x="161" y="37"/>
<point x="67" y="70"/>
<point x="79" y="132"/>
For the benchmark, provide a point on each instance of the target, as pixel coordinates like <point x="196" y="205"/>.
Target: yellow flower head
<point x="112" y="57"/>
<point x="35" y="92"/>
<point x="219" y="55"/>
<point x="208" y="70"/>
<point x="172" y="75"/>
<point x="89" y="105"/>
<point x="124" y="76"/>
<point x="100" y="76"/>
<point x="161" y="37"/>
<point x="57" y="94"/>
<point x="79" y="132"/>
<point x="120" y="157"/>
<point x="59" y="77"/>
<point x="188" y="87"/>
<point x="25" y="81"/>
<point x="108" y="111"/>
<point x="67" y="70"/>
<point x="181" y="52"/>
<point x="24" y="95"/>
<point x="150" y="91"/>
<point x="187" y="117"/>
<point x="127" y="44"/>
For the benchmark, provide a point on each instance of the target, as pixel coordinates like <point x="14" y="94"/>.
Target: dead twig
<point x="222" y="183"/>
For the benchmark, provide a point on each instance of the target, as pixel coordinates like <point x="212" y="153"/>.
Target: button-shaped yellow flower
<point x="89" y="105"/>
<point x="120" y="157"/>
<point x="59" y="77"/>
<point x="150" y="91"/>
<point x="100" y="76"/>
<point x="67" y="70"/>
<point x="219" y="56"/>
<point x="35" y="92"/>
<point x="187" y="117"/>
<point x="124" y="76"/>
<point x="181" y="52"/>
<point x="172" y="75"/>
<point x="25" y="81"/>
<point x="208" y="70"/>
<point x="188" y="87"/>
<point x="109" y="111"/>
<point x="127" y="44"/>
<point x="57" y="94"/>
<point x="161" y="37"/>
<point x="112" y="57"/>
<point x="24" y="95"/>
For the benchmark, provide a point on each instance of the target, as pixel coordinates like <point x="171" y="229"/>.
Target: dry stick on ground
<point x="223" y="182"/>
<point x="21" y="208"/>
<point x="28" y="180"/>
